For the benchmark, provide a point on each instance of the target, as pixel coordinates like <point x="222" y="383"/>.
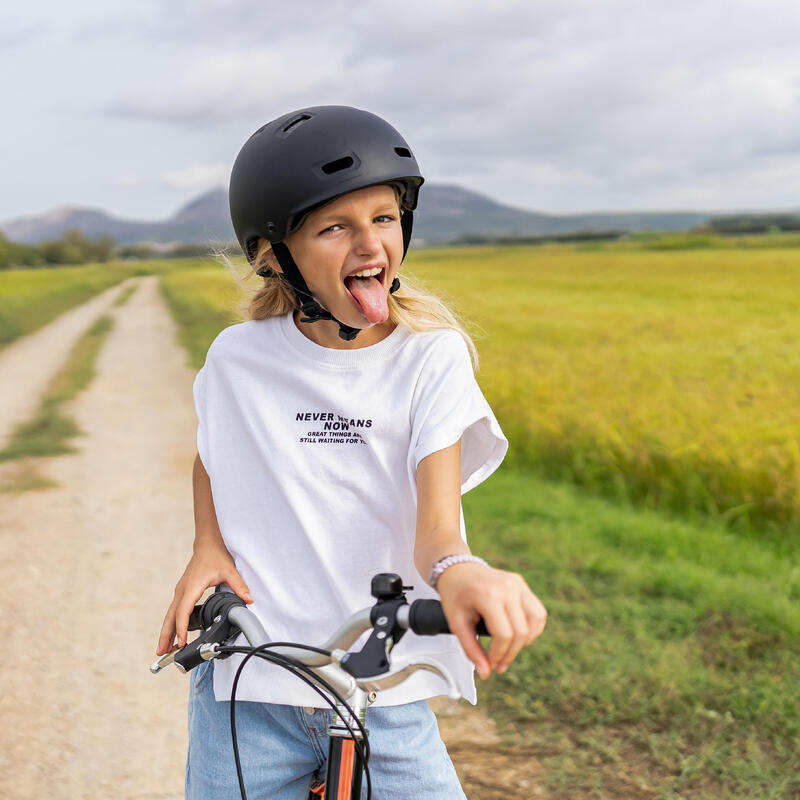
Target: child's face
<point x="357" y="231"/>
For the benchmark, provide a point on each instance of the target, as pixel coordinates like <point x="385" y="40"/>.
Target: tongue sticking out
<point x="370" y="298"/>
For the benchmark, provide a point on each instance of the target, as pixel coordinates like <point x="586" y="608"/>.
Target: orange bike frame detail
<point x="346" y="770"/>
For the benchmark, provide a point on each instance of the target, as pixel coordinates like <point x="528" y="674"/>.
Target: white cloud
<point x="128" y="181"/>
<point x="549" y="104"/>
<point x="233" y="84"/>
<point x="20" y="35"/>
<point x="198" y="177"/>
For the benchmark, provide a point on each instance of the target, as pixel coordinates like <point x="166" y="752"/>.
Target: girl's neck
<point x="326" y="333"/>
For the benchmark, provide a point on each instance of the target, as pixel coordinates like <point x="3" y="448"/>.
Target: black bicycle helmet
<point x="301" y="161"/>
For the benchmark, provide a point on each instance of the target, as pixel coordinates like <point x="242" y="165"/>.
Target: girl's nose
<point x="367" y="242"/>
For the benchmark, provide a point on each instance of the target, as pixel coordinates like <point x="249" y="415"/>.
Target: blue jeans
<point x="282" y="748"/>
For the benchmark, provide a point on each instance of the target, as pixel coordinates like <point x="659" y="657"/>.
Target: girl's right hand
<point x="210" y="565"/>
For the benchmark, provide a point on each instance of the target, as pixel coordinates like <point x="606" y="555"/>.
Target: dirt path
<point x="82" y="716"/>
<point x="27" y="364"/>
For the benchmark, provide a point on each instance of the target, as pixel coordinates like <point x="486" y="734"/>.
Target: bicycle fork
<point x="345" y="770"/>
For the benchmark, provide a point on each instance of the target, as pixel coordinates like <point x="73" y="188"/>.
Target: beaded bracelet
<point x="443" y="563"/>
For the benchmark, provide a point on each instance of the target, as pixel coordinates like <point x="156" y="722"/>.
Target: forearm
<point x="438" y="509"/>
<point x="206" y="527"/>
<point x="210" y="565"/>
<point x="432" y="545"/>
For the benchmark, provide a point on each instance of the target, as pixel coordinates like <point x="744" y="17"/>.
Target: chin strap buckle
<point x="314" y="312"/>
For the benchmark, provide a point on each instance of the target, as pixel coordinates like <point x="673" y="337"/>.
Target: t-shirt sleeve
<point x="199" y="392"/>
<point x="449" y="405"/>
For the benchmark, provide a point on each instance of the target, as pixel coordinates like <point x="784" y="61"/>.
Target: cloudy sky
<point x="558" y="106"/>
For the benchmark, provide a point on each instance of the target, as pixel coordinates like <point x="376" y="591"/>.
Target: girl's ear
<point x="272" y="262"/>
<point x="265" y="257"/>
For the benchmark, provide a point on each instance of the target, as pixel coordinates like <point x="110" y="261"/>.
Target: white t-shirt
<point x="312" y="454"/>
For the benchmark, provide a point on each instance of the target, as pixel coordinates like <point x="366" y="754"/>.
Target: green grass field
<point x="666" y="384"/>
<point x="667" y="379"/>
<point x="30" y="298"/>
<point x="203" y="301"/>
<point x="670" y="666"/>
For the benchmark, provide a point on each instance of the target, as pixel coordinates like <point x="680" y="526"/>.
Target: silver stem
<point x="254" y="632"/>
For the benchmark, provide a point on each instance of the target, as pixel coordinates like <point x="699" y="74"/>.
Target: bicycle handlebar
<point x="224" y="614"/>
<point x="351" y="679"/>
<point x="426" y="618"/>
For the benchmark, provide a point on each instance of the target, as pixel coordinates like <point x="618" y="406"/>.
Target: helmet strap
<point x="311" y="308"/>
<point x="313" y="311"/>
<point x="407" y="224"/>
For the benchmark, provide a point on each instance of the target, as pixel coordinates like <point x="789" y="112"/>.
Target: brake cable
<point x="301" y="671"/>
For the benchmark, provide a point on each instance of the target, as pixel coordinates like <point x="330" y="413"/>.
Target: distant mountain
<point x="445" y="213"/>
<point x="93" y="222"/>
<point x="204" y="219"/>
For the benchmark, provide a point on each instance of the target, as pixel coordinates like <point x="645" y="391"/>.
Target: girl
<point x="337" y="430"/>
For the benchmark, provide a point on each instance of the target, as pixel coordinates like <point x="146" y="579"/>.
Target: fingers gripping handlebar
<point x="389" y="619"/>
<point x="212" y="619"/>
<point x="426" y="618"/>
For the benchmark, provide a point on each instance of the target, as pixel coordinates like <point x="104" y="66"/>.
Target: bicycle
<point x="347" y="681"/>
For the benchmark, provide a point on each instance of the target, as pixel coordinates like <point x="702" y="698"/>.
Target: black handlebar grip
<point x="195" y="621"/>
<point x="426" y="618"/>
<point x="212" y="619"/>
<point x="218" y="605"/>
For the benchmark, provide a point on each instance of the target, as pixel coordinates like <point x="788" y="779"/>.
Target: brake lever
<point x="195" y="624"/>
<point x="402" y="670"/>
<point x="164" y="661"/>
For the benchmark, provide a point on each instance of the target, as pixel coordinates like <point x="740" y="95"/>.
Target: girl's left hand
<point x="513" y="614"/>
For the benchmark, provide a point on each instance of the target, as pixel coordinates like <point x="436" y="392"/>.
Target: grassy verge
<point x="670" y="667"/>
<point x="30" y="298"/>
<point x="33" y="297"/>
<point x="202" y="301"/>
<point x="50" y="429"/>
<point x="124" y="296"/>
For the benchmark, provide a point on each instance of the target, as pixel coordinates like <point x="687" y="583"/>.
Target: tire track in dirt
<point x="27" y="364"/>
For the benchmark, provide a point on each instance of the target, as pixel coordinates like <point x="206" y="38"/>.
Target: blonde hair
<point x="413" y="306"/>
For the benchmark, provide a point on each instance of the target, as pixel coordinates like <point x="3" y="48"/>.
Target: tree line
<point x="74" y="247"/>
<point x="753" y="223"/>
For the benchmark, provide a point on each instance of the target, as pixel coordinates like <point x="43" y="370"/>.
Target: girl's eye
<point x="383" y="219"/>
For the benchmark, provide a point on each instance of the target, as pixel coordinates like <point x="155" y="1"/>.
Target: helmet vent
<point x="338" y="165"/>
<point x="403" y="151"/>
<point x="295" y="122"/>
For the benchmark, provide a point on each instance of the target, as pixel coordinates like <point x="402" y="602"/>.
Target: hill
<point x="446" y="213"/>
